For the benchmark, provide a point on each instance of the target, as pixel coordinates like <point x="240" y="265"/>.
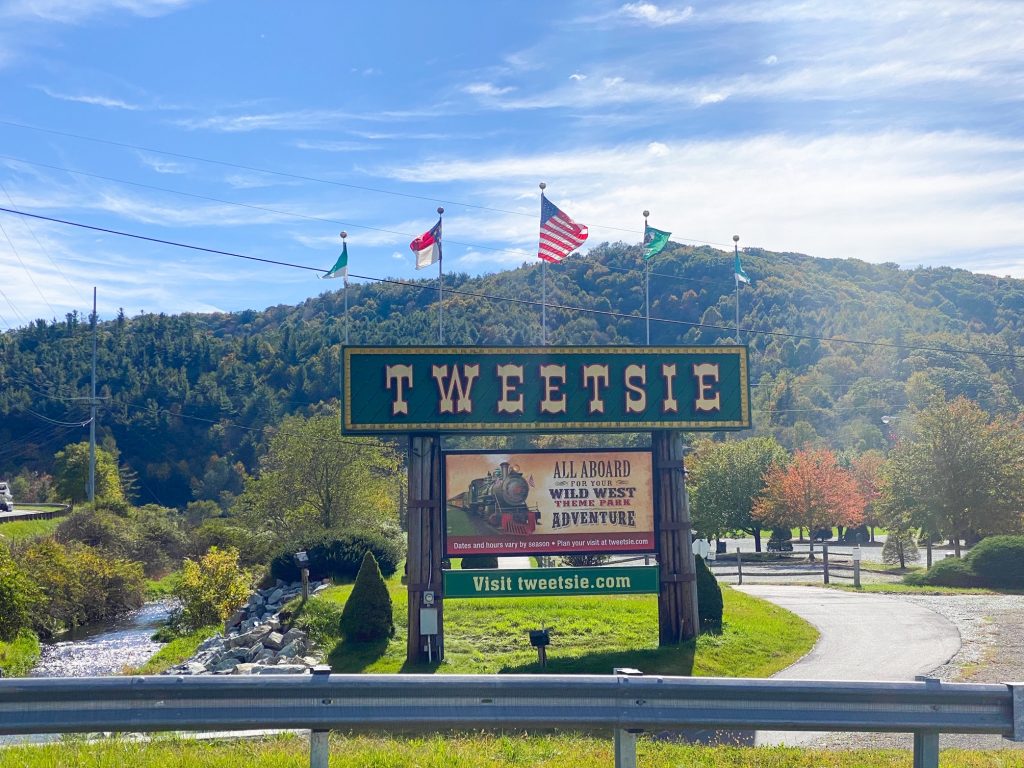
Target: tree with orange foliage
<point x="813" y="491"/>
<point x="866" y="471"/>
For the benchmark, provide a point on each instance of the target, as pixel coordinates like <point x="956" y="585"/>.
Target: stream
<point x="104" y="648"/>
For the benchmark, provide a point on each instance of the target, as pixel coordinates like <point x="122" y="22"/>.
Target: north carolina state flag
<point x="427" y="247"/>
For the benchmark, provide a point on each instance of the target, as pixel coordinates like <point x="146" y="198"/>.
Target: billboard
<point x="387" y="390"/>
<point x="542" y="502"/>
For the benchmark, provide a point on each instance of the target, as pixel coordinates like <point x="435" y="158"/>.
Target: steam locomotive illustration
<point x="499" y="499"/>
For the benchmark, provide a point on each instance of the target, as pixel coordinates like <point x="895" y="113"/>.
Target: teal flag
<point x="655" y="241"/>
<point x="741" y="276"/>
<point x="340" y="268"/>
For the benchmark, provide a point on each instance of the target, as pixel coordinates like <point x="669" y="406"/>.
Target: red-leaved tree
<point x="813" y="491"/>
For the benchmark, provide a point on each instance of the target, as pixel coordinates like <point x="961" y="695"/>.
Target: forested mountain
<point x="186" y="398"/>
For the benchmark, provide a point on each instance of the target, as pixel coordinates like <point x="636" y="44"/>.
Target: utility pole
<point x="92" y="414"/>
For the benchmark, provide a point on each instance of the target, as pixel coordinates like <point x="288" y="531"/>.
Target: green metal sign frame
<point x="388" y="390"/>
<point x="547" y="582"/>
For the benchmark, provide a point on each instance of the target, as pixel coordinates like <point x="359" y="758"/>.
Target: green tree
<point x="368" y="614"/>
<point x="18" y="596"/>
<point x="955" y="470"/>
<point x="312" y="480"/>
<point x="211" y="588"/>
<point x="71" y="474"/>
<point x="726" y="478"/>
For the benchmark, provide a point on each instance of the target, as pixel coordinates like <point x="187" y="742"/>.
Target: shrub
<point x="899" y="549"/>
<point x="858" y="534"/>
<point x="781" y="534"/>
<point x="19" y="656"/>
<point x="367" y="615"/>
<point x="211" y="589"/>
<point x="709" y="595"/>
<point x="951" y="572"/>
<point x="17" y="596"/>
<point x="583" y="561"/>
<point x="341" y="558"/>
<point x="999" y="561"/>
<point x="478" y="562"/>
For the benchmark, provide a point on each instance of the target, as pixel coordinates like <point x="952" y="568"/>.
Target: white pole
<point x="343" y="236"/>
<point x="543" y="283"/>
<point x="440" y="285"/>
<point x="647" y="278"/>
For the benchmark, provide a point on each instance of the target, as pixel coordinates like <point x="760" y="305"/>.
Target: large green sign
<point x="541" y="582"/>
<point x="543" y="389"/>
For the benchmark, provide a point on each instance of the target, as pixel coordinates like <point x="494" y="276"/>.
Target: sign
<point x="540" y="502"/>
<point x="544" y="582"/>
<point x="543" y="389"/>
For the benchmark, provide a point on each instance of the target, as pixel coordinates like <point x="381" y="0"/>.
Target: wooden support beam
<point x="677" y="601"/>
<point x="423" y="561"/>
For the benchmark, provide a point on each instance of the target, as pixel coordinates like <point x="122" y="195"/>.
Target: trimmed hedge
<point x="478" y="562"/>
<point x="709" y="595"/>
<point x="340" y="559"/>
<point x="951" y="572"/>
<point x="999" y="561"/>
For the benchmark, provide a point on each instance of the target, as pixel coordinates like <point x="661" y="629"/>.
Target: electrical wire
<point x="530" y="302"/>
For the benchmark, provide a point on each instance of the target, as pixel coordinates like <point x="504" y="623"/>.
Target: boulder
<point x="274" y="641"/>
<point x="283" y="669"/>
<point x="275" y="596"/>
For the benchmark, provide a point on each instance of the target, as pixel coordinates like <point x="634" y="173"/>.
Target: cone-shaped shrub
<point x="367" y="614"/>
<point x="709" y="595"/>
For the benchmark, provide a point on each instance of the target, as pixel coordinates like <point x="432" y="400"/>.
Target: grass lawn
<point x="175" y="652"/>
<point x="24" y="529"/>
<point x="20" y="655"/>
<point x="591" y="635"/>
<point x="462" y="751"/>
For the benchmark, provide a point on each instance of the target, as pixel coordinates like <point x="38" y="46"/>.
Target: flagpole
<point x="344" y="234"/>
<point x="543" y="282"/>
<point x="440" y="283"/>
<point x="736" y="275"/>
<point x="647" y="280"/>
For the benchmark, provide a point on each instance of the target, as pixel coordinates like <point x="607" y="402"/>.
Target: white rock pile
<point x="254" y="641"/>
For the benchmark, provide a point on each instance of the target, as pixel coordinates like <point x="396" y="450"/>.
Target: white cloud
<point x="771" y="61"/>
<point x="163" y="165"/>
<point x="577" y="76"/>
<point x="73" y="11"/>
<point x="95" y="100"/>
<point x="302" y="119"/>
<point x="486" y="89"/>
<point x="656" y="16"/>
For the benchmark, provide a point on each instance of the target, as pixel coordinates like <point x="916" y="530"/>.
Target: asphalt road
<point x="863" y="637"/>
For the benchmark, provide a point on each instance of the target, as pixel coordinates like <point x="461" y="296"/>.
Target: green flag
<point x="655" y="241"/>
<point x="340" y="268"/>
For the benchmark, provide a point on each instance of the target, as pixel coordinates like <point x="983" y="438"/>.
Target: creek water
<point x="105" y="648"/>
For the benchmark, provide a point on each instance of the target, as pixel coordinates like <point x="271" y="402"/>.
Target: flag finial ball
<point x="735" y="238"/>
<point x="543" y="186"/>
<point x="440" y="210"/>
<point x="646" y="214"/>
<point x="344" y="234"/>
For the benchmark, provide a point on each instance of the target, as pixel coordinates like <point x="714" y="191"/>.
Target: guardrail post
<point x="926" y="749"/>
<point x="625" y="738"/>
<point x="1017" y="691"/>
<point x="739" y="566"/>
<point x="824" y="560"/>
<point x="319" y="746"/>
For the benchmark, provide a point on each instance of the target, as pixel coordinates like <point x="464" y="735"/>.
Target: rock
<point x="225" y="665"/>
<point x="247" y="669"/>
<point x="283" y="669"/>
<point x="264" y="655"/>
<point x="292" y="635"/>
<point x="289" y="651"/>
<point x="274" y="641"/>
<point x="275" y="596"/>
<point x="254" y="651"/>
<point x="320" y="589"/>
<point x="234" y="620"/>
<point x="309" y="661"/>
<point x="194" y="668"/>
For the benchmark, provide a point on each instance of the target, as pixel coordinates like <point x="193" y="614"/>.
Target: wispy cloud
<point x="335" y="146"/>
<point x="486" y="89"/>
<point x="649" y="13"/>
<point x="93" y="99"/>
<point x="302" y="119"/>
<point x="74" y="11"/>
<point x="162" y="164"/>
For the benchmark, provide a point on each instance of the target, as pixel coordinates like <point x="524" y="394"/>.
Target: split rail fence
<point x="626" y="702"/>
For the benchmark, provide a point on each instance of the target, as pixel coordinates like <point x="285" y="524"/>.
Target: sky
<point x="889" y="131"/>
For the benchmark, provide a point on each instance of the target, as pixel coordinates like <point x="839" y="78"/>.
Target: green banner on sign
<point x="544" y="582"/>
<point x="543" y="389"/>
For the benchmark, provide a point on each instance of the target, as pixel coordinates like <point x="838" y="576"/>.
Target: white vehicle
<point x="6" y="499"/>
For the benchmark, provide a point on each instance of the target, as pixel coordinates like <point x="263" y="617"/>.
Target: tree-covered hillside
<point x="186" y="398"/>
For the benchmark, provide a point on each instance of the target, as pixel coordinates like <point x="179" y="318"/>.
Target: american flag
<point x="559" y="235"/>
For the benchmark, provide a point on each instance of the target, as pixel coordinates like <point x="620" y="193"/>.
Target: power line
<point x="529" y="302"/>
<point x="301" y="177"/>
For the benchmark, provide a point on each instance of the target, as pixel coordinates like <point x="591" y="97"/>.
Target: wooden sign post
<point x="426" y="547"/>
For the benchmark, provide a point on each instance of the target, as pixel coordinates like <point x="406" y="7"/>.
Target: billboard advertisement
<point x="543" y="502"/>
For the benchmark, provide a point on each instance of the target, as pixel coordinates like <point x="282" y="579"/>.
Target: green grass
<point x="910" y="589"/>
<point x="462" y="751"/>
<point x="163" y="587"/>
<point x="591" y="635"/>
<point x="174" y="652"/>
<point x="25" y="529"/>
<point x="20" y="655"/>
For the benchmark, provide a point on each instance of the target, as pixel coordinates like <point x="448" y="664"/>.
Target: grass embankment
<point x="175" y="652"/>
<point x="591" y="635"/>
<point x="162" y="588"/>
<point x="26" y="529"/>
<point x="463" y="751"/>
<point x="20" y="655"/>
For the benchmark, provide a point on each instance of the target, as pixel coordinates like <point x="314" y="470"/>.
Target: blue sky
<point x="886" y="131"/>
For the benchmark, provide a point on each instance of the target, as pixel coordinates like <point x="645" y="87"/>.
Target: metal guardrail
<point x="627" y="703"/>
<point x="35" y="512"/>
